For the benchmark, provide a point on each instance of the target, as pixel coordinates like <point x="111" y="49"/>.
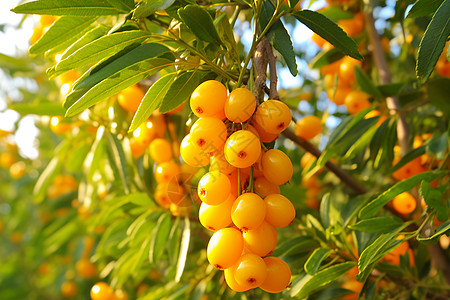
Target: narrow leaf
<point x="321" y="279"/>
<point x="122" y="5"/>
<point x="68" y="8"/>
<point x="375" y="205"/>
<point x="423" y="8"/>
<point x="180" y="90"/>
<point x="185" y="240"/>
<point x="117" y="155"/>
<point x="152" y="100"/>
<point x="365" y="83"/>
<point x="442" y="229"/>
<point x="148" y="7"/>
<point x="313" y="263"/>
<point x="377" y="225"/>
<point x="200" y="23"/>
<point x="41" y="108"/>
<point x="160" y="235"/>
<point x="279" y="37"/>
<point x="64" y="31"/>
<point x="433" y="42"/>
<point x="330" y="31"/>
<point x="326" y="58"/>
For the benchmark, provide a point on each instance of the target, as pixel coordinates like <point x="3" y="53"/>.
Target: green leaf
<point x="122" y="5"/>
<point x="173" y="244"/>
<point x="184" y="247"/>
<point x="200" y="22"/>
<point x="119" y="163"/>
<point x="278" y="37"/>
<point x="295" y="246"/>
<point x="68" y="8"/>
<point x="41" y="108"/>
<point x="433" y="198"/>
<point x="313" y="263"/>
<point x="326" y="58"/>
<point x="180" y="90"/>
<point x="433" y="42"/>
<point x="100" y="49"/>
<point x="438" y="91"/>
<point x="335" y="13"/>
<point x="160" y="234"/>
<point x="365" y="83"/>
<point x="409" y="157"/>
<point x="423" y="8"/>
<point x="62" y="33"/>
<point x="304" y="288"/>
<point x="377" y="225"/>
<point x="149" y="7"/>
<point x="152" y="100"/>
<point x="438" y="145"/>
<point x="63" y="235"/>
<point x="405" y="185"/>
<point x="442" y="229"/>
<point x="330" y="31"/>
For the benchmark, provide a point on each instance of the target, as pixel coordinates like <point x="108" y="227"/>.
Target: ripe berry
<point x="251" y="271"/>
<point x="263" y="135"/>
<point x="191" y="155"/>
<point x="277" y="167"/>
<point x="215" y="217"/>
<point x="160" y="150"/>
<point x="308" y="127"/>
<point x="240" y="105"/>
<point x="214" y="188"/>
<point x="68" y="289"/>
<point x="248" y="211"/>
<point x="166" y="171"/>
<point x="59" y="127"/>
<point x="273" y="116"/>
<point x="220" y="163"/>
<point x="261" y="240"/>
<point x="102" y="291"/>
<point x="229" y="275"/>
<point x="85" y="268"/>
<point x="209" y="135"/>
<point x="225" y="248"/>
<point x="263" y="187"/>
<point x="404" y="203"/>
<point x="356" y="101"/>
<point x="208" y="99"/>
<point x="242" y="149"/>
<point x="279" y="210"/>
<point x="278" y="275"/>
<point x="130" y="98"/>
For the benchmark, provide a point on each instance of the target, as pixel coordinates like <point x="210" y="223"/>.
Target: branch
<point x="261" y="61"/>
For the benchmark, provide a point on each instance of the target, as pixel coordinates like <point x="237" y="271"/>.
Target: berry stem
<point x="250" y="182"/>
<point x="239" y="181"/>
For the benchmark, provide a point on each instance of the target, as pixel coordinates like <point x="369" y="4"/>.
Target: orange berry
<point x="102" y="291"/>
<point x="130" y="98"/>
<point x="85" y="268"/>
<point x="240" y="105"/>
<point x="234" y="182"/>
<point x="160" y="150"/>
<point x="279" y="210"/>
<point x="264" y="187"/>
<point x="220" y="163"/>
<point x="263" y="135"/>
<point x="356" y="101"/>
<point x="277" y="167"/>
<point x="251" y="271"/>
<point x="46" y="20"/>
<point x="68" y="289"/>
<point x="6" y="160"/>
<point x="18" y="170"/>
<point x="411" y="168"/>
<point x="215" y="217"/>
<point x="248" y="211"/>
<point x="191" y="155"/>
<point x="208" y="99"/>
<point x="318" y="39"/>
<point x="209" y="135"/>
<point x="59" y="127"/>
<point x="225" y="248"/>
<point x="352" y="285"/>
<point x="242" y="149"/>
<point x="168" y="193"/>
<point x="339" y="96"/>
<point x="346" y="69"/>
<point x="404" y="203"/>
<point x="16" y="237"/>
<point x="332" y="68"/>
<point x="214" y="188"/>
<point x="120" y="295"/>
<point x="273" y="116"/>
<point x="354" y="26"/>
<point x="308" y="127"/>
<point x="261" y="240"/>
<point x="166" y="171"/>
<point x="278" y="275"/>
<point x="229" y="275"/>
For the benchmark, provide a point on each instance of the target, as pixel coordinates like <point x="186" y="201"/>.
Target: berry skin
<point x="225" y="248"/>
<point x="277" y="167"/>
<point x="166" y="171"/>
<point x="229" y="275"/>
<point x="248" y="211"/>
<point x="130" y="98"/>
<point x="263" y="135"/>
<point x="240" y="105"/>
<point x="220" y="163"/>
<point x="279" y="210"/>
<point x="209" y="135"/>
<point x="263" y="187"/>
<point x="308" y="127"/>
<point x="160" y="150"/>
<point x="214" y="188"/>
<point x="68" y="289"/>
<point x="278" y="275"/>
<point x="404" y="203"/>
<point x="356" y="101"/>
<point x="251" y="271"/>
<point x="85" y="268"/>
<point x="242" y="149"/>
<point x="208" y="99"/>
<point x="191" y="154"/>
<point x="273" y="116"/>
<point x="59" y="127"/>
<point x="102" y="291"/>
<point x="215" y="217"/>
<point x="262" y="240"/>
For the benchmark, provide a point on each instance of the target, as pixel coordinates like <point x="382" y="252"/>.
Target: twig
<point x="261" y="61"/>
<point x="272" y="69"/>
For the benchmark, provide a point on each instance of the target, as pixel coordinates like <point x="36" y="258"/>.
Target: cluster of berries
<point x="241" y="200"/>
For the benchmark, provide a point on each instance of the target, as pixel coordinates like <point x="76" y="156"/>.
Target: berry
<point x="225" y="248"/>
<point x="279" y="210"/>
<point x="208" y="99"/>
<point x="404" y="203"/>
<point x="356" y="101"/>
<point x="85" y="268"/>
<point x="214" y="188"/>
<point x="209" y="135"/>
<point x="251" y="271"/>
<point x="215" y="217"/>
<point x="263" y="187"/>
<point x="308" y="127"/>
<point x="191" y="154"/>
<point x="102" y="291"/>
<point x="273" y="116"/>
<point x="240" y="105"/>
<point x="277" y="167"/>
<point x="248" y="211"/>
<point x="242" y="149"/>
<point x="229" y="275"/>
<point x="166" y="171"/>
<point x="261" y="240"/>
<point x="278" y="275"/>
<point x="130" y="98"/>
<point x="160" y="150"/>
